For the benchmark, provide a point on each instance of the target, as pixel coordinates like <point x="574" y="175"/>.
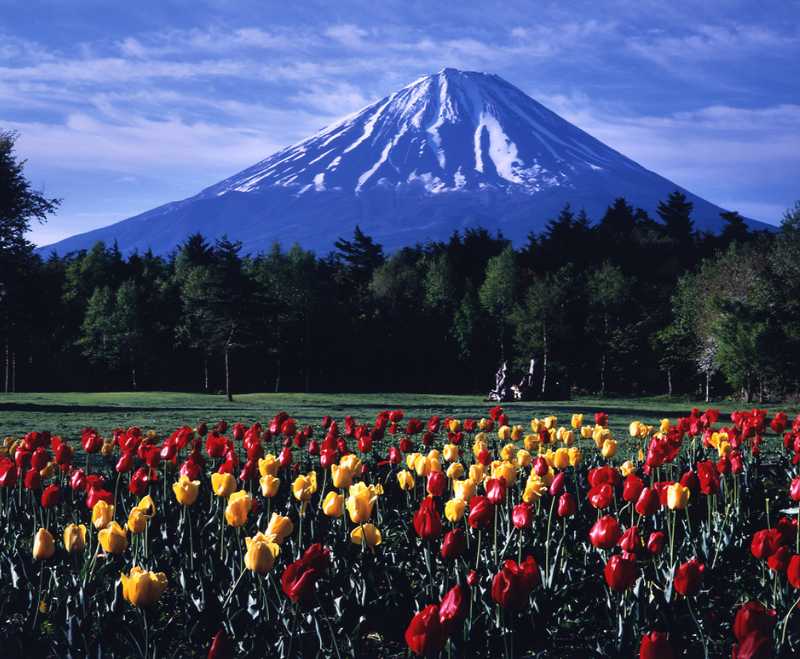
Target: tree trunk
<point x="603" y="375"/>
<point x="544" y="358"/>
<point x="708" y="386"/>
<point x="133" y="376"/>
<point x="278" y="374"/>
<point x="7" y="372"/>
<point x="307" y="349"/>
<point x="205" y="372"/>
<point x="13" y="372"/>
<point x="228" y="374"/>
<point x="669" y="381"/>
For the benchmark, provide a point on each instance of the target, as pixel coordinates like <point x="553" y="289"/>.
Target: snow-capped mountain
<point x="450" y="150"/>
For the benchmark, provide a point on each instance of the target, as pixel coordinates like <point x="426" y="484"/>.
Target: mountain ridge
<point x="450" y="150"/>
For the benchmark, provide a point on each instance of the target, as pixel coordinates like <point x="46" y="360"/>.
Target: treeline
<point x="628" y="304"/>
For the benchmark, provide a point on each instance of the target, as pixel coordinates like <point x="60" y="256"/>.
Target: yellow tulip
<point x="478" y="446"/>
<point x="536" y="425"/>
<point x="633" y="429"/>
<point x="576" y="421"/>
<point x="465" y="489"/>
<point x="455" y="471"/>
<point x="504" y="433"/>
<point x="627" y="468"/>
<point x="107" y="449"/>
<point x="406" y="480"/>
<point x="186" y="490"/>
<point x="508" y="452"/>
<point x="505" y="470"/>
<point x="146" y="506"/>
<point x="664" y="425"/>
<point x="102" y="514"/>
<point x="44" y="546"/>
<point x="239" y="504"/>
<point x="535" y="488"/>
<point x="223" y="485"/>
<point x="304" y="487"/>
<point x="575" y="456"/>
<point x="476" y="473"/>
<point x="352" y="462"/>
<point x="724" y="449"/>
<point x="261" y="553"/>
<point x="366" y="534"/>
<point x="484" y="424"/>
<point x="75" y="538"/>
<point x="524" y="458"/>
<point x="279" y="527"/>
<point x="333" y="504"/>
<point x="609" y="449"/>
<point x="568" y="438"/>
<point x="454" y="510"/>
<point x="268" y="465"/>
<point x="360" y="503"/>
<point x="560" y="458"/>
<point x="142" y="588"/>
<point x="450" y="452"/>
<point x="421" y="465"/>
<point x="137" y="521"/>
<point x="516" y="433"/>
<point x="454" y="425"/>
<point x="48" y="471"/>
<point x="532" y="442"/>
<point x="586" y="432"/>
<point x="677" y="496"/>
<point x="113" y="539"/>
<point x="411" y="459"/>
<point x="269" y="485"/>
<point x="342" y="476"/>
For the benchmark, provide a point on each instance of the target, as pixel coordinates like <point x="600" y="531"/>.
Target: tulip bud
<point x="43" y="545"/>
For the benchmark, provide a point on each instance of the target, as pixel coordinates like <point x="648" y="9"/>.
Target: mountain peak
<point x="450" y="131"/>
<point x="449" y="150"/>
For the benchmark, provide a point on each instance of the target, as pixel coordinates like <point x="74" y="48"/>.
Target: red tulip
<point x="688" y="577"/>
<point x="794" y="489"/>
<point x="454" y="544"/>
<point x="495" y="490"/>
<point x="472" y="578"/>
<point x="779" y="561"/>
<point x="298" y="582"/>
<point x="655" y="543"/>
<point x="484" y="457"/>
<point x="631" y="541"/>
<point x="605" y="532"/>
<point x="220" y="646"/>
<point x="437" y="483"/>
<point x="522" y="516"/>
<point x="453" y="607"/>
<point x="77" y="479"/>
<point x="793" y="571"/>
<point x="566" y="505"/>
<point x="648" y="502"/>
<point x="655" y="645"/>
<point x="63" y="454"/>
<point x="620" y="573"/>
<point x="513" y="584"/>
<point x="601" y="418"/>
<point x="318" y="557"/>
<point x="540" y="466"/>
<point x="95" y="494"/>
<point x="51" y="496"/>
<point x="32" y="480"/>
<point x="427" y="521"/>
<point x="425" y="634"/>
<point x="601" y="496"/>
<point x="557" y="486"/>
<point x="753" y="618"/>
<point x="632" y="488"/>
<point x="708" y="476"/>
<point x="8" y="473"/>
<point x="140" y="479"/>
<point x="125" y="463"/>
<point x="765" y="543"/>
<point x="481" y="512"/>
<point x="285" y="457"/>
<point x="91" y="441"/>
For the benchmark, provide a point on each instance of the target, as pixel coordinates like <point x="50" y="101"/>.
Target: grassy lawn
<point x="67" y="413"/>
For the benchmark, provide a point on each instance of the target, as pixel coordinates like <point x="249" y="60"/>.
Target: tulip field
<point x="570" y="529"/>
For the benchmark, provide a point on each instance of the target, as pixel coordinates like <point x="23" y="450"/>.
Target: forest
<point x="622" y="304"/>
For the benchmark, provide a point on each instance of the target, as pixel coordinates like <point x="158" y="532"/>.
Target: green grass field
<point x="67" y="413"/>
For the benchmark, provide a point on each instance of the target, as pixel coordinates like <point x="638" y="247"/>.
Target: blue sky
<point x="122" y="106"/>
